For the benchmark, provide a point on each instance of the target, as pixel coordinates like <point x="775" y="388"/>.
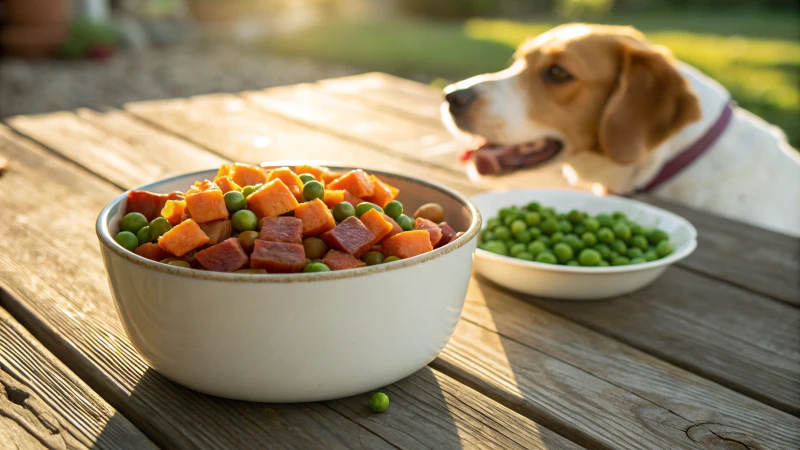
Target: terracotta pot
<point x="38" y="12"/>
<point x="32" y="42"/>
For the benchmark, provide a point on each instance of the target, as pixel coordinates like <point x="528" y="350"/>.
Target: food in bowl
<point x="575" y="238"/>
<point x="249" y="219"/>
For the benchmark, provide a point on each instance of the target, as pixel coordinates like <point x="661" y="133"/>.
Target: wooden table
<point x="707" y="357"/>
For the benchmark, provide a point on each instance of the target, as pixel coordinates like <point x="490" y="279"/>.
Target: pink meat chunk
<point x="433" y="230"/>
<point x="448" y="233"/>
<point x="350" y="236"/>
<point x="337" y="260"/>
<point x="227" y="256"/>
<point x="148" y="204"/>
<point x="217" y="231"/>
<point x="277" y="257"/>
<point x="282" y="229"/>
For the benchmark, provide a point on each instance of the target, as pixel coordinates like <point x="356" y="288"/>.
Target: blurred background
<point x="64" y="54"/>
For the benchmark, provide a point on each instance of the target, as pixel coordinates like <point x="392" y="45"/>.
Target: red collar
<point x="691" y="153"/>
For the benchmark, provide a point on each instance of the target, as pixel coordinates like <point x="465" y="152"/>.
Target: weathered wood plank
<point x="70" y="293"/>
<point x="44" y="405"/>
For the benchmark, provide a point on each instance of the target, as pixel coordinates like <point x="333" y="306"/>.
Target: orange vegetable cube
<point x="329" y="176"/>
<point x="206" y="185"/>
<point x="290" y="179"/>
<point x="352" y="199"/>
<point x="318" y="172"/>
<point x="226" y="184"/>
<point x="431" y="227"/>
<point x="272" y="200"/>
<point x="375" y="222"/>
<point x="333" y="198"/>
<point x="395" y="227"/>
<point x="152" y="251"/>
<point x="225" y="170"/>
<point x="207" y="206"/>
<point x="382" y="193"/>
<point x="248" y="175"/>
<point x="183" y="238"/>
<point x="173" y="211"/>
<point x="407" y="244"/>
<point x="356" y="182"/>
<point x="316" y="217"/>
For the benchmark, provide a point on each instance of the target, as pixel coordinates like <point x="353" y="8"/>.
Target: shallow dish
<point x="293" y="337"/>
<point x="580" y="283"/>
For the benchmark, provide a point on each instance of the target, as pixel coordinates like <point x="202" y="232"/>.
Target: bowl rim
<point x="678" y="254"/>
<point x="104" y="234"/>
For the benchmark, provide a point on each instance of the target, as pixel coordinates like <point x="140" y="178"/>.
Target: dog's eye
<point x="557" y="74"/>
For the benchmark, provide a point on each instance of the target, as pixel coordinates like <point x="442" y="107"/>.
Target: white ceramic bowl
<point x="580" y="283"/>
<point x="293" y="337"/>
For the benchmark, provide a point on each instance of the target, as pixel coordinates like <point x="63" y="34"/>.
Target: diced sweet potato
<point x="272" y="200"/>
<point x="350" y="236"/>
<point x="333" y="198"/>
<point x="149" y="204"/>
<point x="337" y="260"/>
<point x="407" y="244"/>
<point x="316" y="217"/>
<point x="382" y="193"/>
<point x="226" y="256"/>
<point x="207" y="206"/>
<point x="225" y="170"/>
<point x="448" y="233"/>
<point x="183" y="238"/>
<point x="290" y="179"/>
<point x="352" y="199"/>
<point x="173" y="211"/>
<point x="217" y="231"/>
<point x="282" y="229"/>
<point x="329" y="176"/>
<point x="226" y="184"/>
<point x="318" y="172"/>
<point x="247" y="175"/>
<point x="152" y="251"/>
<point x="356" y="182"/>
<point x="176" y="195"/>
<point x="376" y="224"/>
<point x="395" y="227"/>
<point x="431" y="227"/>
<point x="277" y="257"/>
<point x="206" y="185"/>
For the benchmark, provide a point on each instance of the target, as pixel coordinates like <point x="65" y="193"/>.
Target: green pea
<point x="563" y="252"/>
<point x="525" y="256"/>
<point x="604" y="234"/>
<point x="127" y="240"/>
<point x="565" y="226"/>
<point x="379" y="402"/>
<point x="498" y="247"/>
<point x="640" y="241"/>
<point x="655" y="236"/>
<point x="604" y="220"/>
<point x="389" y="259"/>
<point x="556" y="237"/>
<point x="619" y="246"/>
<point x="579" y="229"/>
<point x="524" y="236"/>
<point x="622" y="231"/>
<point x="575" y="216"/>
<point x="603" y="263"/>
<point x="638" y="260"/>
<point x="635" y="252"/>
<point x="313" y="190"/>
<point x="549" y="226"/>
<point x="589" y="257"/>
<point x="366" y="206"/>
<point x="491" y="224"/>
<point x="180" y="263"/>
<point x="234" y="201"/>
<point x="536" y="247"/>
<point x="612" y="254"/>
<point x="315" y="248"/>
<point x="617" y="215"/>
<point x="545" y="240"/>
<point x="248" y="240"/>
<point x="533" y="218"/>
<point x="546" y="257"/>
<point x="591" y="224"/>
<point x="373" y="258"/>
<point x="504" y="212"/>
<point x="502" y="232"/>
<point x="394" y="208"/>
<point x="518" y="226"/>
<point x="343" y="210"/>
<point x="663" y="248"/>
<point x="508" y="220"/>
<point x="589" y="238"/>
<point x="516" y="249"/>
<point x="143" y="235"/>
<point x="637" y="229"/>
<point x="650" y="255"/>
<point x="535" y="232"/>
<point x="133" y="222"/>
<point x="247" y="190"/>
<point x="316" y="267"/>
<point x="487" y="235"/>
<point x="620" y="261"/>
<point x="533" y="206"/>
<point x="158" y="227"/>
<point x="573" y="241"/>
<point x="572" y="262"/>
<point x="244" y="220"/>
<point x="306" y="177"/>
<point x="407" y="224"/>
<point x="509" y="243"/>
<point x="603" y="249"/>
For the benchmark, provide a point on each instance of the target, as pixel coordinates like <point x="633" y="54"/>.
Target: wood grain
<point x="66" y="302"/>
<point x="44" y="405"/>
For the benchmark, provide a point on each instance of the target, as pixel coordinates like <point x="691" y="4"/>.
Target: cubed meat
<point x="337" y="260"/>
<point x="282" y="229"/>
<point x="431" y="227"/>
<point x="147" y="203"/>
<point x="448" y="233"/>
<point x="351" y="236"/>
<point x="217" y="231"/>
<point x="226" y="256"/>
<point x="316" y="217"/>
<point x="396" y="229"/>
<point x="277" y="257"/>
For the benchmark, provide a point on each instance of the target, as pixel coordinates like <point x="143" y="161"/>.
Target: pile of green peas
<point x="536" y="233"/>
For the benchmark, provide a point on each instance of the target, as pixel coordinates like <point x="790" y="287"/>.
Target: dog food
<point x="255" y="220"/>
<point x="535" y="233"/>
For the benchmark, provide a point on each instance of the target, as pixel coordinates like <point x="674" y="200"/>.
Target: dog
<point x="614" y="112"/>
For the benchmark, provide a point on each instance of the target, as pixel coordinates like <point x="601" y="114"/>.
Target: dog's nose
<point x="460" y="100"/>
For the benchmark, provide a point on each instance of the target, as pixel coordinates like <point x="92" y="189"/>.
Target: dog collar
<point x="691" y="153"/>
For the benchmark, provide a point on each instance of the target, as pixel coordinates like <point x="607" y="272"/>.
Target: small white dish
<point x="580" y="283"/>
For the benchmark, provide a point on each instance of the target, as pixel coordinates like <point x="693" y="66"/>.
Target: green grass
<point x="755" y="55"/>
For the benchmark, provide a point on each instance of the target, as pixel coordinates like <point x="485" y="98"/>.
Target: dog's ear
<point x="649" y="103"/>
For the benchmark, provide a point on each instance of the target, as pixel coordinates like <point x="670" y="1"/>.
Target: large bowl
<point x="293" y="337"/>
<point x="580" y="283"/>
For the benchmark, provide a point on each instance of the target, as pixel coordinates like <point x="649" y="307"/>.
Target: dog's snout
<point x="460" y="99"/>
